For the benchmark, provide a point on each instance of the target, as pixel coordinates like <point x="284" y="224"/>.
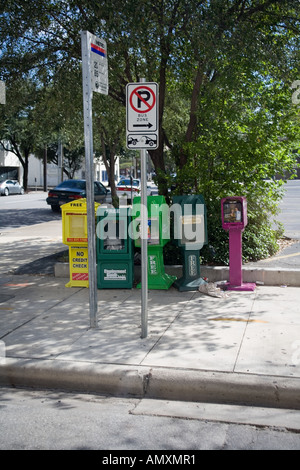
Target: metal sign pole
<point x="89" y="168"/>
<point x="144" y="243"/>
<point x="142" y="133"/>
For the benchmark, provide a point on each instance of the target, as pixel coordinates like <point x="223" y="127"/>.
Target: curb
<point x="262" y="276"/>
<point x="225" y="388"/>
<point x="157" y="383"/>
<point x="75" y="376"/>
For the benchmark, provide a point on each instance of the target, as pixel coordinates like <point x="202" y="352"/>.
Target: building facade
<point x="11" y="168"/>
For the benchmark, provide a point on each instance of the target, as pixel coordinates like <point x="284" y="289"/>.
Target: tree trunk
<point x="25" y="169"/>
<point x="157" y="155"/>
<point x="110" y="168"/>
<point x="192" y="125"/>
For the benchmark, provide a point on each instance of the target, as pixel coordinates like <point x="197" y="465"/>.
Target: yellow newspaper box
<point x="79" y="267"/>
<point x="74" y="223"/>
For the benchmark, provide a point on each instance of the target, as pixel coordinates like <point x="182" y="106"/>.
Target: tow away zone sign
<point x="142" y="115"/>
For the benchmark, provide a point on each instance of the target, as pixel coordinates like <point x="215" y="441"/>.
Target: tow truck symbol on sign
<point x="144" y="141"/>
<point x="131" y="140"/>
<point x="150" y="140"/>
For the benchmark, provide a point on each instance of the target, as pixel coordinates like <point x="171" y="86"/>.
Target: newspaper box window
<point x="234" y="213"/>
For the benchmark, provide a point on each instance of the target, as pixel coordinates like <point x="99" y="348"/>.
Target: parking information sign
<point x="142" y="115"/>
<point x="2" y="92"/>
<point x="99" y="67"/>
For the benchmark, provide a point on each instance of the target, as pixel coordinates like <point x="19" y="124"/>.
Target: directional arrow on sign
<point x="143" y="125"/>
<point x="142" y="115"/>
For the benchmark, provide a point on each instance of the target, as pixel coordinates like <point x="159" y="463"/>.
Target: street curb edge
<point x="147" y="382"/>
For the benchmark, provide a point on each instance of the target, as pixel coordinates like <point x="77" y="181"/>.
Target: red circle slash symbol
<point x="144" y="98"/>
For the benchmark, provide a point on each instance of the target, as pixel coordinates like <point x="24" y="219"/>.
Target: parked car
<point x="10" y="187"/>
<point x="129" y="187"/>
<point x="152" y="189"/>
<point x="126" y="184"/>
<point x="70" y="190"/>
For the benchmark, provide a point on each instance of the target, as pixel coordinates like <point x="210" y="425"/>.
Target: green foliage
<point x="243" y="142"/>
<point x="261" y="234"/>
<point x="224" y="68"/>
<point x="259" y="237"/>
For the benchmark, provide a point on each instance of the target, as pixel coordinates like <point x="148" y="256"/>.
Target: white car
<point x="10" y="187"/>
<point x="132" y="187"/>
<point x="128" y="187"/>
<point x="152" y="189"/>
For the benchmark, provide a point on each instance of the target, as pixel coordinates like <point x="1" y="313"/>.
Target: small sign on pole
<point x="99" y="67"/>
<point x="2" y="92"/>
<point x="142" y="115"/>
<point x="94" y="78"/>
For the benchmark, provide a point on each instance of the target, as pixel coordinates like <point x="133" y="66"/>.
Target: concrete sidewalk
<point x="240" y="349"/>
<point x="243" y="348"/>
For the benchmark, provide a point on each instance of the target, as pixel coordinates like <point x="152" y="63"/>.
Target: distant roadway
<point x="30" y="209"/>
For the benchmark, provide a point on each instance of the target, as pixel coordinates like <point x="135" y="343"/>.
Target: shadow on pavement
<point x="17" y="218"/>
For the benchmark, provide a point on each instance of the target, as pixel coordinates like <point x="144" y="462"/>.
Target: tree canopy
<point x="224" y="68"/>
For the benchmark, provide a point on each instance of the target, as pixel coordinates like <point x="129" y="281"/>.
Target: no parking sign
<point x="142" y="115"/>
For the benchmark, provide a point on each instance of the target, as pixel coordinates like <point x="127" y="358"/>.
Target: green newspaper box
<point x="114" y="249"/>
<point x="190" y="234"/>
<point x="158" y="236"/>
